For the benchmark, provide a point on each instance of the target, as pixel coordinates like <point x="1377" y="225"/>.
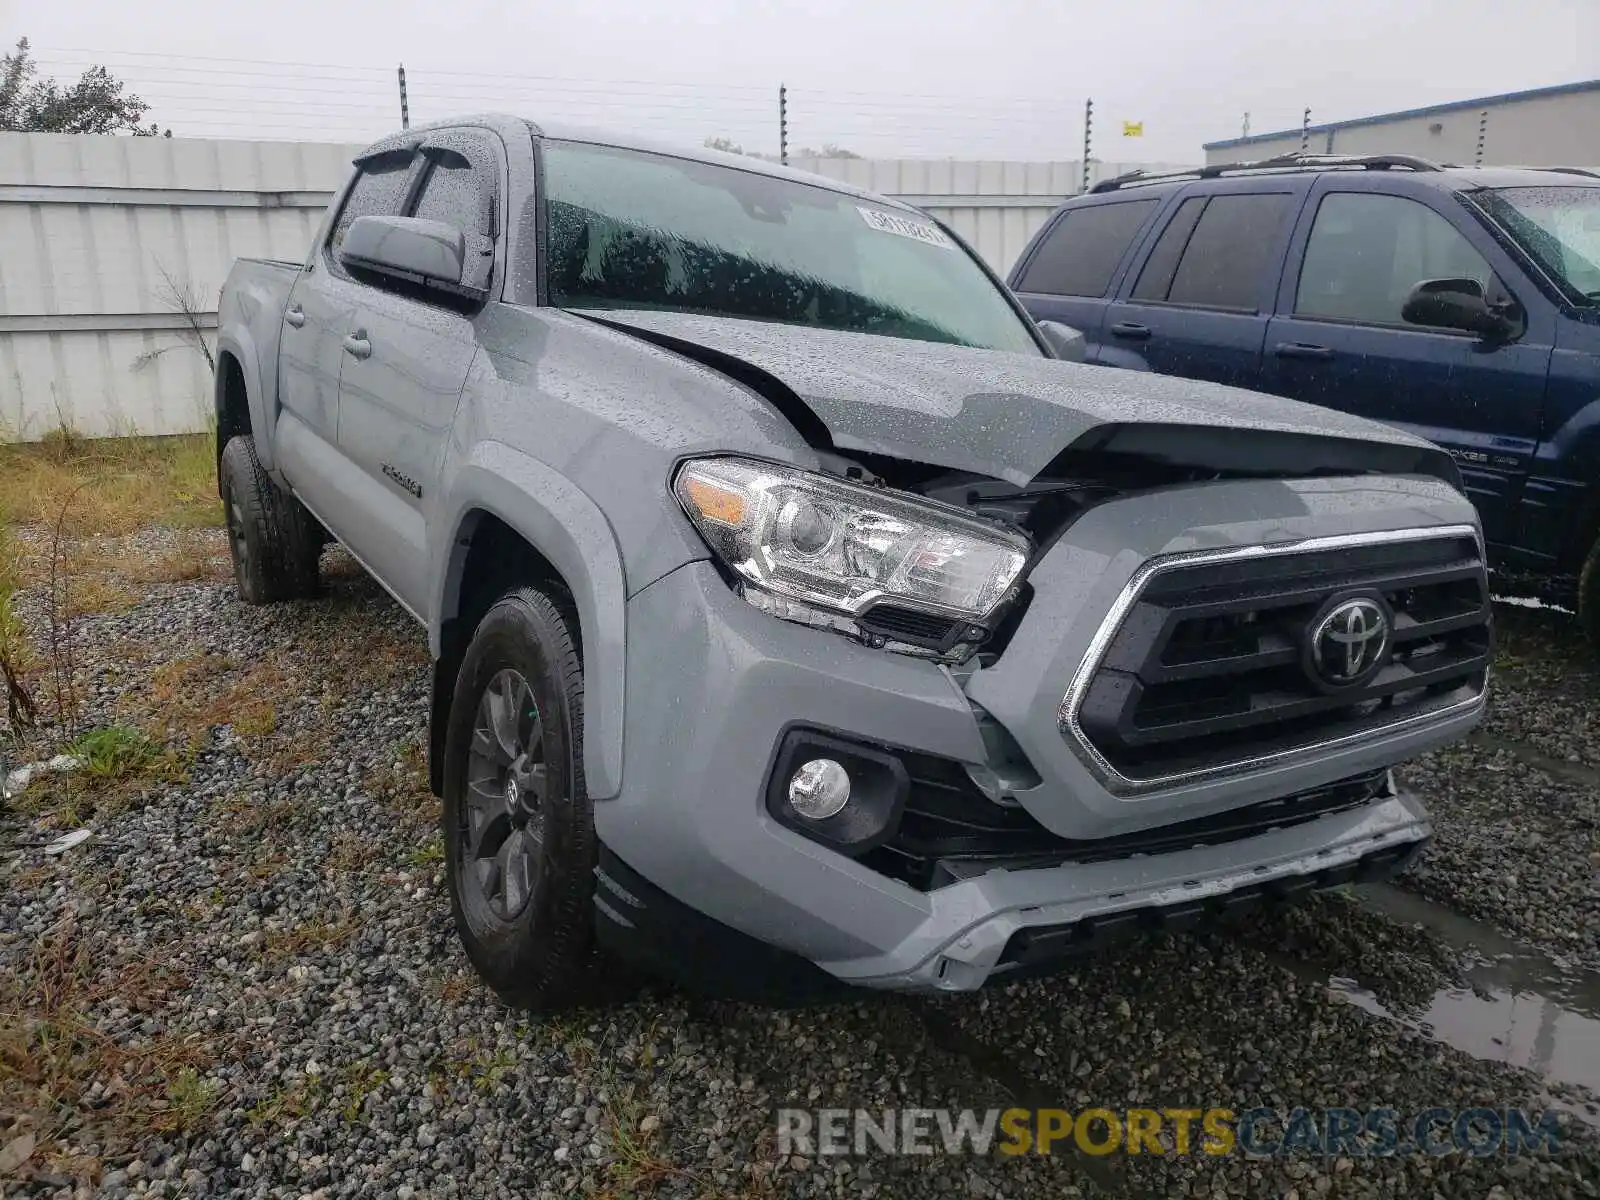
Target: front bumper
<point x="713" y="685"/>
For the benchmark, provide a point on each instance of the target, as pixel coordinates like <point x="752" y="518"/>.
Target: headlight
<point x="842" y="547"/>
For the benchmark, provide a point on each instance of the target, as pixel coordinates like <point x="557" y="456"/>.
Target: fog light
<point x="819" y="789"/>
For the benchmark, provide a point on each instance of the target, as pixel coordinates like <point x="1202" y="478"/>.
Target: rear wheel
<point x="1589" y="594"/>
<point x="519" y="837"/>
<point x="275" y="542"/>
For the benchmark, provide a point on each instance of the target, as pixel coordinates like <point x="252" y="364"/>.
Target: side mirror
<point x="410" y="250"/>
<point x="1064" y="341"/>
<point x="1457" y="304"/>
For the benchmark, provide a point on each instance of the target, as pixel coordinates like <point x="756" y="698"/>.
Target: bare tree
<point x="179" y="296"/>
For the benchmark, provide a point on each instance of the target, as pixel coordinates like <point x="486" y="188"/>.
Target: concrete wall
<point x="1561" y="129"/>
<point x="100" y="234"/>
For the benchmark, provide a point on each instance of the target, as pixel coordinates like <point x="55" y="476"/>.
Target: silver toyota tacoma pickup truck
<point x="800" y="616"/>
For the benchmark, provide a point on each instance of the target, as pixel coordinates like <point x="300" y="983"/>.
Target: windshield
<point x="1559" y="227"/>
<point x="627" y="229"/>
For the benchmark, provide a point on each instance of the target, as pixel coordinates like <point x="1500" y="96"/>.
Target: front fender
<point x="562" y="523"/>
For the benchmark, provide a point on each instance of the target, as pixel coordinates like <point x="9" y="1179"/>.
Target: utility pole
<point x="1088" y="138"/>
<point x="783" y="125"/>
<point x="1245" y="132"/>
<point x="1483" y="133"/>
<point x="405" y="107"/>
<point x="1305" y="132"/>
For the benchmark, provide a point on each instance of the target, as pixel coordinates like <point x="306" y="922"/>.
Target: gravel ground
<point x="1517" y="808"/>
<point x="246" y="982"/>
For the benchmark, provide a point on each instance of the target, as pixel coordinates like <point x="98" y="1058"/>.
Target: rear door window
<point x="1081" y="252"/>
<point x="455" y="194"/>
<point x="1226" y="254"/>
<point x="1155" y="280"/>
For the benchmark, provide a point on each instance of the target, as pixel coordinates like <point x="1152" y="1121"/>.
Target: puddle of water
<point x="1523" y="1008"/>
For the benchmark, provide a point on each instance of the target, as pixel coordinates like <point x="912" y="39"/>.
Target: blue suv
<point x="1462" y="304"/>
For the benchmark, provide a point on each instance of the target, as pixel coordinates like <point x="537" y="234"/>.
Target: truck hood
<point x="1009" y="416"/>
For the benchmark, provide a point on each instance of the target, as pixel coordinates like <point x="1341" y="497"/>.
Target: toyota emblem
<point x="1351" y="642"/>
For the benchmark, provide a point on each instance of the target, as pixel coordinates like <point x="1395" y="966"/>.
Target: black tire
<point x="532" y="940"/>
<point x="1589" y="594"/>
<point x="276" y="543"/>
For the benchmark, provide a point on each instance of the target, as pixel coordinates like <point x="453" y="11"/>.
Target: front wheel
<point x="519" y="836"/>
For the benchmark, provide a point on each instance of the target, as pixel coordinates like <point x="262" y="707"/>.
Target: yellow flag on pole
<point x="1133" y="129"/>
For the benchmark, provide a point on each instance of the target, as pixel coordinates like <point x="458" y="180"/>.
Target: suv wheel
<point x="1589" y="594"/>
<point x="276" y="543"/>
<point x="518" y="827"/>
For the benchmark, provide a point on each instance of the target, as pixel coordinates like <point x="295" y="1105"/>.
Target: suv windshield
<point x="1559" y="227"/>
<point x="628" y="229"/>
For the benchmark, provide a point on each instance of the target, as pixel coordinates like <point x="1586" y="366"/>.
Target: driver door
<point x="1338" y="339"/>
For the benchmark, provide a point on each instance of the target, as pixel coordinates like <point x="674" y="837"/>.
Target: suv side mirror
<point x="1065" y="342"/>
<point x="411" y="250"/>
<point x="1458" y="304"/>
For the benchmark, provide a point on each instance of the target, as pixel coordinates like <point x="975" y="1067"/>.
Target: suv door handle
<point x="296" y="316"/>
<point x="357" y="346"/>
<point x="1302" y="350"/>
<point x="1130" y="329"/>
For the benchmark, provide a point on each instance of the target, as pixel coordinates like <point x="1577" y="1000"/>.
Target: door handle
<point x="1131" y="330"/>
<point x="296" y="316"/>
<point x="357" y="346"/>
<point x="1302" y="350"/>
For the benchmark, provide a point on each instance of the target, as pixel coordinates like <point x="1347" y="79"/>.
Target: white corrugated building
<point x="1542" y="127"/>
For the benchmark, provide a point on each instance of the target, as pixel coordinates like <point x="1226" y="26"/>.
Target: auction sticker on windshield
<point x="920" y="230"/>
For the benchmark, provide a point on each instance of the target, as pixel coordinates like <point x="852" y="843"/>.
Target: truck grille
<point x="1219" y="662"/>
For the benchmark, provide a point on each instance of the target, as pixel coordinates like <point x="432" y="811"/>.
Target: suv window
<point x="380" y="190"/>
<point x="1083" y="249"/>
<point x="1216" y="256"/>
<point x="1366" y="252"/>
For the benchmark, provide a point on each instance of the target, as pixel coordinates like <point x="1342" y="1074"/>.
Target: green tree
<point x="97" y="103"/>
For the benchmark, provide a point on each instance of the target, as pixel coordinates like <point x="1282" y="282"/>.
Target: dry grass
<point x="59" y="1069"/>
<point x="188" y="697"/>
<point x="248" y="817"/>
<point x="88" y="594"/>
<point x="309" y="938"/>
<point x="193" y="560"/>
<point x="120" y="765"/>
<point x="115" y="485"/>
<point x="403" y="787"/>
<point x="17" y="657"/>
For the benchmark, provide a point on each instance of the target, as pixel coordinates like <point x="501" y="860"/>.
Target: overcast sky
<point x="919" y="78"/>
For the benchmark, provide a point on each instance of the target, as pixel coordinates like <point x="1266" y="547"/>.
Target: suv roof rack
<point x="1589" y="171"/>
<point x="1283" y="162"/>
